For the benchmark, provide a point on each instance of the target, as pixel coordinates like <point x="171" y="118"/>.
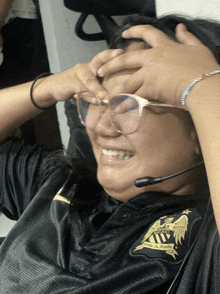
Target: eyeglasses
<point x="125" y="111"/>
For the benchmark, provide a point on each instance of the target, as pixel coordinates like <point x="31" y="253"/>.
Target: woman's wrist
<point x="204" y="95"/>
<point x="40" y="93"/>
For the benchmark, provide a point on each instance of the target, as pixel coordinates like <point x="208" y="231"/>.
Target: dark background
<point x="25" y="57"/>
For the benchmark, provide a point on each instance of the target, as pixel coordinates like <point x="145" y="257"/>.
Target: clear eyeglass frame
<point x="132" y="115"/>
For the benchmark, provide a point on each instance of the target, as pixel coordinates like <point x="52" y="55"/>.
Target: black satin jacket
<point x="153" y="243"/>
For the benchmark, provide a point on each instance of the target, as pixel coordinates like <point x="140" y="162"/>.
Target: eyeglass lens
<point x="124" y="109"/>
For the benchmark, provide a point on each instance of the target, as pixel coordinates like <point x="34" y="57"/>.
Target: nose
<point x="105" y="126"/>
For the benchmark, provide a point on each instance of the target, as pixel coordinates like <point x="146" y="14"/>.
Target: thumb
<point x="185" y="37"/>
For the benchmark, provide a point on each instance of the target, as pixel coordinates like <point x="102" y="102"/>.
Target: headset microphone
<point x="147" y="181"/>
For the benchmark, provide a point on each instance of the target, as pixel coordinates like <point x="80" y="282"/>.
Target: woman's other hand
<point x="166" y="69"/>
<point x="80" y="78"/>
<point x="15" y="103"/>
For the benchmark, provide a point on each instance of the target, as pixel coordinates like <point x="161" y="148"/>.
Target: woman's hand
<point x="49" y="90"/>
<point x="82" y="77"/>
<point x="166" y="69"/>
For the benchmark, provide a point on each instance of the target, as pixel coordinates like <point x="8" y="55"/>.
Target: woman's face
<point x="164" y="143"/>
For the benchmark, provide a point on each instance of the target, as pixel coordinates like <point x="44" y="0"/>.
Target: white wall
<point x="193" y="8"/>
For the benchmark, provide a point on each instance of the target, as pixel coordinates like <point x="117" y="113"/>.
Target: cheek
<point x="95" y="147"/>
<point x="162" y="136"/>
<point x="92" y="137"/>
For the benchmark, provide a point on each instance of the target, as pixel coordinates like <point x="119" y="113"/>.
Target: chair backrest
<point x="111" y="7"/>
<point x="103" y="10"/>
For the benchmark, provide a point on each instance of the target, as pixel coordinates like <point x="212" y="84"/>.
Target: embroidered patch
<point x="60" y="197"/>
<point x="169" y="237"/>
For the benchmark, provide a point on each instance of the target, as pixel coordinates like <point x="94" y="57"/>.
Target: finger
<point x="90" y="83"/>
<point x="128" y="60"/>
<point x="146" y="93"/>
<point x="185" y="37"/>
<point x="88" y="97"/>
<point x="138" y="85"/>
<point x="153" y="36"/>
<point x="72" y="85"/>
<point x="103" y="57"/>
<point x="132" y="84"/>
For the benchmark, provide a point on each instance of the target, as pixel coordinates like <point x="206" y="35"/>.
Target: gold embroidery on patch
<point x="158" y="235"/>
<point x="61" y="198"/>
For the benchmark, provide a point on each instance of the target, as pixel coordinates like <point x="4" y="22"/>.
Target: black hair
<point x="208" y="32"/>
<point x="87" y="195"/>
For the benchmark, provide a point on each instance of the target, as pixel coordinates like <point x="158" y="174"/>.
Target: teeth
<point x="120" y="154"/>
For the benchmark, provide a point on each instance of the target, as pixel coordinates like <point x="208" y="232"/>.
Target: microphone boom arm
<point x="147" y="181"/>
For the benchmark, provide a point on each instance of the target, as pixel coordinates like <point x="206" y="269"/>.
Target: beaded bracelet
<point x="31" y="90"/>
<point x="186" y="92"/>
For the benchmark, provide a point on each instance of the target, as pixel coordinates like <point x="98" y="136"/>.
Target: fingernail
<point x="94" y="100"/>
<point x="124" y="34"/>
<point x="117" y="52"/>
<point x="184" y="28"/>
<point x="100" y="72"/>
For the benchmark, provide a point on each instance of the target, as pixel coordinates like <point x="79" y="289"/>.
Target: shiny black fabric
<point x="102" y="253"/>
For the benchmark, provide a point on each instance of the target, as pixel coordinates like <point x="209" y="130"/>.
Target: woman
<point x="154" y="239"/>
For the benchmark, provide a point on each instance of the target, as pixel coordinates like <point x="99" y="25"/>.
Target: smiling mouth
<point x="125" y="155"/>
